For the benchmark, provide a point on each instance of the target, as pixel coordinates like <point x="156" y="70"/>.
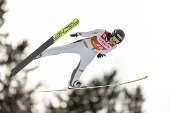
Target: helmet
<point x="118" y="35"/>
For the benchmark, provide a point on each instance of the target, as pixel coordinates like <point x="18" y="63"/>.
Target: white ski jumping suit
<point x="87" y="49"/>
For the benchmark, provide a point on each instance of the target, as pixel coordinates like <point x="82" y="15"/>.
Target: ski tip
<point x="76" y="19"/>
<point x="145" y="77"/>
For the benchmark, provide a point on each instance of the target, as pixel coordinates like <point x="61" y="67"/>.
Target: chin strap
<point x="108" y="36"/>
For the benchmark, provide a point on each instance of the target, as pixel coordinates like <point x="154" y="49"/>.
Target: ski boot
<point x="77" y="84"/>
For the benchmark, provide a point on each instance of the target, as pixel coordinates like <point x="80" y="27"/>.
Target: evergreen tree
<point x="100" y="100"/>
<point x="14" y="98"/>
<point x="133" y="101"/>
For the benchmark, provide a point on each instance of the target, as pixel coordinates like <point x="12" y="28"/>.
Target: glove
<point x="74" y="35"/>
<point x="100" y="55"/>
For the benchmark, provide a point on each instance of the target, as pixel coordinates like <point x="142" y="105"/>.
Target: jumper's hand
<point x="74" y="35"/>
<point x="100" y="55"/>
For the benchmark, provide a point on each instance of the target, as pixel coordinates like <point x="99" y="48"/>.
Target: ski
<point x="97" y="86"/>
<point x="44" y="46"/>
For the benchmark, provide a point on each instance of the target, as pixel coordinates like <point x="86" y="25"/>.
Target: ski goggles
<point x="114" y="38"/>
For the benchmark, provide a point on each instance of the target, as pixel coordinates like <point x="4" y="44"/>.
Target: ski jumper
<point x="87" y="49"/>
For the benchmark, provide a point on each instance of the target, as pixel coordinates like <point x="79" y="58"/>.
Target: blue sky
<point x="144" y="52"/>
